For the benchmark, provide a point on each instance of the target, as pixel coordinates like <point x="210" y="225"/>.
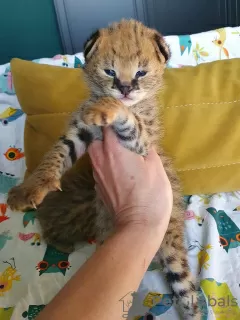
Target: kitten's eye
<point x="110" y="73"/>
<point x="141" y="74"/>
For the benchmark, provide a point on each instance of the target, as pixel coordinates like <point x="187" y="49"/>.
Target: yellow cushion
<point x="48" y="95"/>
<point x="199" y="107"/>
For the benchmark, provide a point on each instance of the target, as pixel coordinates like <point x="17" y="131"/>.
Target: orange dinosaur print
<point x="13" y="154"/>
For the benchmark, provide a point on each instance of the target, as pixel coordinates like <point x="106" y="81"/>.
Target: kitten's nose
<point x="125" y="89"/>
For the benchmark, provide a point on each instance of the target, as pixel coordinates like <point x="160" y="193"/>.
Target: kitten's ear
<point x="162" y="47"/>
<point x="91" y="44"/>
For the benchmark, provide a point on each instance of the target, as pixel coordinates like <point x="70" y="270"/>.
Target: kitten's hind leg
<point x="47" y="176"/>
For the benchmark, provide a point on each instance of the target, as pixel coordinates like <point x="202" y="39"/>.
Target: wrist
<point x="150" y="225"/>
<point x="144" y="232"/>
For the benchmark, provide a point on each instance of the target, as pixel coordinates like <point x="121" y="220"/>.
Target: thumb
<point x="153" y="157"/>
<point x="95" y="151"/>
<point x="110" y="140"/>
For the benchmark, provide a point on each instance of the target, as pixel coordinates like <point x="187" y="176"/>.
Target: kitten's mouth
<point x="125" y="98"/>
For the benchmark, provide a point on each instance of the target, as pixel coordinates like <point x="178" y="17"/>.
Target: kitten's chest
<point x="146" y="110"/>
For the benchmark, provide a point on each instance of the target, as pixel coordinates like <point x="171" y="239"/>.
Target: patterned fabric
<point x="31" y="273"/>
<point x="192" y="50"/>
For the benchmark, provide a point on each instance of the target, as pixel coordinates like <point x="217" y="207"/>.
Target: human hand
<point x="135" y="189"/>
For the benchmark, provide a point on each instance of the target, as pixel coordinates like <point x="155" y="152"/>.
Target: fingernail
<point x="34" y="206"/>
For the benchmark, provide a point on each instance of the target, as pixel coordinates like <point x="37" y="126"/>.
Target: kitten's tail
<point x="173" y="255"/>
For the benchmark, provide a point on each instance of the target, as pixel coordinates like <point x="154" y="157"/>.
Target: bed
<point x="31" y="273"/>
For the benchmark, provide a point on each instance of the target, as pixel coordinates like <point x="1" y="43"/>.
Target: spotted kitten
<point x="124" y="68"/>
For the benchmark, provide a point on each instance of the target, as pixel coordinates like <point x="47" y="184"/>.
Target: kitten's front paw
<point x="99" y="116"/>
<point x="31" y="193"/>
<point x="103" y="113"/>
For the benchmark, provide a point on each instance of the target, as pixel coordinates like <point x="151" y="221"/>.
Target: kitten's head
<point x="126" y="61"/>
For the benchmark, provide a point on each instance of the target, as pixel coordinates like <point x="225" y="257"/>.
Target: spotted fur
<point x="126" y="100"/>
